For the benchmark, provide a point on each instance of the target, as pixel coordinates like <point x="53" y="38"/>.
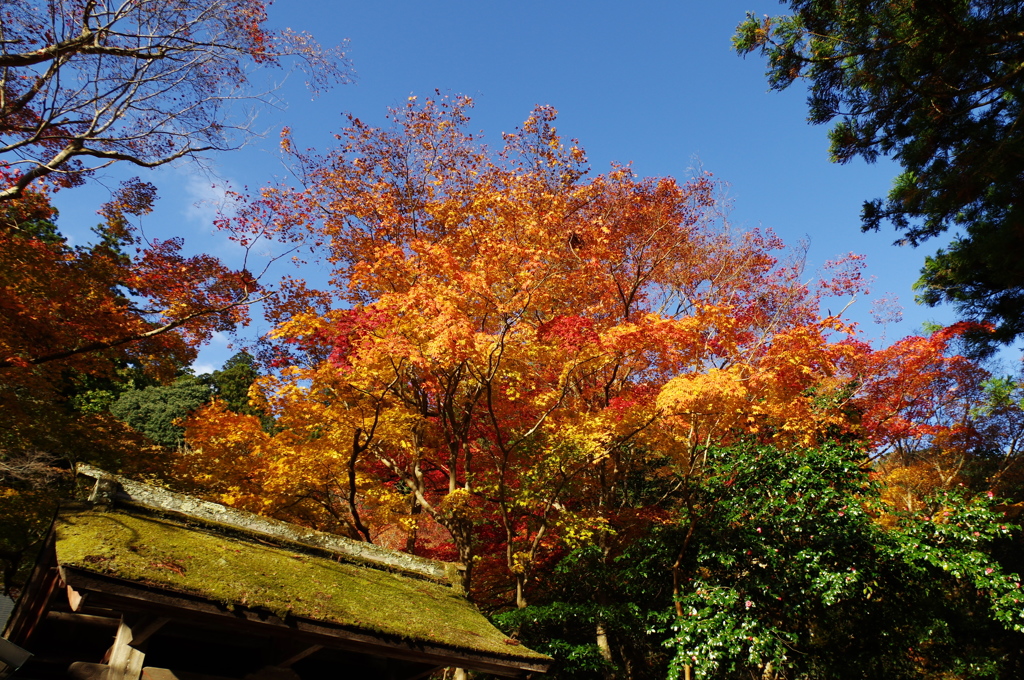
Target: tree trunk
<point x="410" y="538"/>
<point x="520" y="591"/>
<point x="602" y="642"/>
<point x="601" y="596"/>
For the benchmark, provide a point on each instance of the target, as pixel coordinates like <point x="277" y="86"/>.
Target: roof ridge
<point x="157" y="498"/>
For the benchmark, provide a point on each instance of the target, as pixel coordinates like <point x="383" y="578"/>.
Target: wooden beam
<point x="147" y="630"/>
<point x="426" y="673"/>
<point x="32" y="608"/>
<point x="82" y="670"/>
<point x="86" y="619"/>
<point x="131" y="597"/>
<point x="152" y="673"/>
<point x="287" y="663"/>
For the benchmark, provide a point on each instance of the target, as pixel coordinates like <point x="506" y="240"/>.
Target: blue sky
<point x="649" y="82"/>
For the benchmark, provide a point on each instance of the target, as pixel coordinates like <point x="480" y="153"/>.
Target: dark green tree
<point x="794" y="568"/>
<point x="937" y="85"/>
<point x="231" y="385"/>
<point x="154" y="411"/>
<point x="232" y="382"/>
<point x="797" y="570"/>
<point x="629" y="597"/>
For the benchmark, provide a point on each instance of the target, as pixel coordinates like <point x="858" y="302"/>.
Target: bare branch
<point x="145" y="82"/>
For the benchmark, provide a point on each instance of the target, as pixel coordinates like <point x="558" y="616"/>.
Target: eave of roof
<point x="169" y="543"/>
<point x="166" y="555"/>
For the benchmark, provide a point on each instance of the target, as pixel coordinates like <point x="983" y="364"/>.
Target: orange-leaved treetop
<point x="934" y="419"/>
<point x="82" y="308"/>
<point x="507" y="341"/>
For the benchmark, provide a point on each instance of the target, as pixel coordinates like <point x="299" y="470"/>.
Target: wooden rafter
<point x="130" y="597"/>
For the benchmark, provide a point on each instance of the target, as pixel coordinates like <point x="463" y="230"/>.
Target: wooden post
<point x="75" y="599"/>
<point x="686" y="672"/>
<point x="125" y="661"/>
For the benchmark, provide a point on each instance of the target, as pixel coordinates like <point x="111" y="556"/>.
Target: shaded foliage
<point x="626" y="597"/>
<point x="793" y="574"/>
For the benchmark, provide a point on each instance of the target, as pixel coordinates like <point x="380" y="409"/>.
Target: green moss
<point x="237" y="572"/>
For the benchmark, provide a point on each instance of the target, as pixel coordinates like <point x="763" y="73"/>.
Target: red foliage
<point x="570" y="332"/>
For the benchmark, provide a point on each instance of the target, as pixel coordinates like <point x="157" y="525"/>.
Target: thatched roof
<point x="236" y="571"/>
<point x="138" y="548"/>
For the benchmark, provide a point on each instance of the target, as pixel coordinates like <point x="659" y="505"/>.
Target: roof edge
<point x="115" y="591"/>
<point x="112" y="488"/>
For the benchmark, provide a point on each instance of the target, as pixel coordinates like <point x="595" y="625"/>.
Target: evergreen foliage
<point x="939" y="87"/>
<point x="797" y="570"/>
<point x="154" y="411"/>
<point x="231" y="384"/>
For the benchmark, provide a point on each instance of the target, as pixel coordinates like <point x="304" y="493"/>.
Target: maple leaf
<point x="507" y="339"/>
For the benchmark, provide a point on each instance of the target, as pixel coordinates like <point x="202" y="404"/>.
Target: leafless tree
<point x="87" y="83"/>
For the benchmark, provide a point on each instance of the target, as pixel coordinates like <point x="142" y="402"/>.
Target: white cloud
<point x="207" y="198"/>
<point x="219" y="338"/>
<point x="213" y="354"/>
<point x="200" y="367"/>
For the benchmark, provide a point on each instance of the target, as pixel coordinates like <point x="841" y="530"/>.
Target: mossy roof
<point x="122" y="492"/>
<point x="166" y="554"/>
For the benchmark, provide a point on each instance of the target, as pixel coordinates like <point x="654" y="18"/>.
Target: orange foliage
<point x="928" y="419"/>
<point x="72" y="314"/>
<point x="506" y="338"/>
<point x="81" y="307"/>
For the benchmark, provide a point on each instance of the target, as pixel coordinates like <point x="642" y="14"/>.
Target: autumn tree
<point x="84" y="84"/>
<point x="938" y="87"/>
<point x="87" y="83"/>
<point x="102" y="297"/>
<point x="534" y="371"/>
<point x="506" y="339"/>
<point x="74" y="317"/>
<point x="934" y="419"/>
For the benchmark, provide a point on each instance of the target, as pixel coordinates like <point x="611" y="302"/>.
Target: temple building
<point x="140" y="582"/>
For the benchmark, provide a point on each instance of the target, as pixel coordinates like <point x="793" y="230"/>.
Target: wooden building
<point x="144" y="583"/>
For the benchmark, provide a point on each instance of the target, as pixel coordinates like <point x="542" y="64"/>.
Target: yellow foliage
<point x="508" y="333"/>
